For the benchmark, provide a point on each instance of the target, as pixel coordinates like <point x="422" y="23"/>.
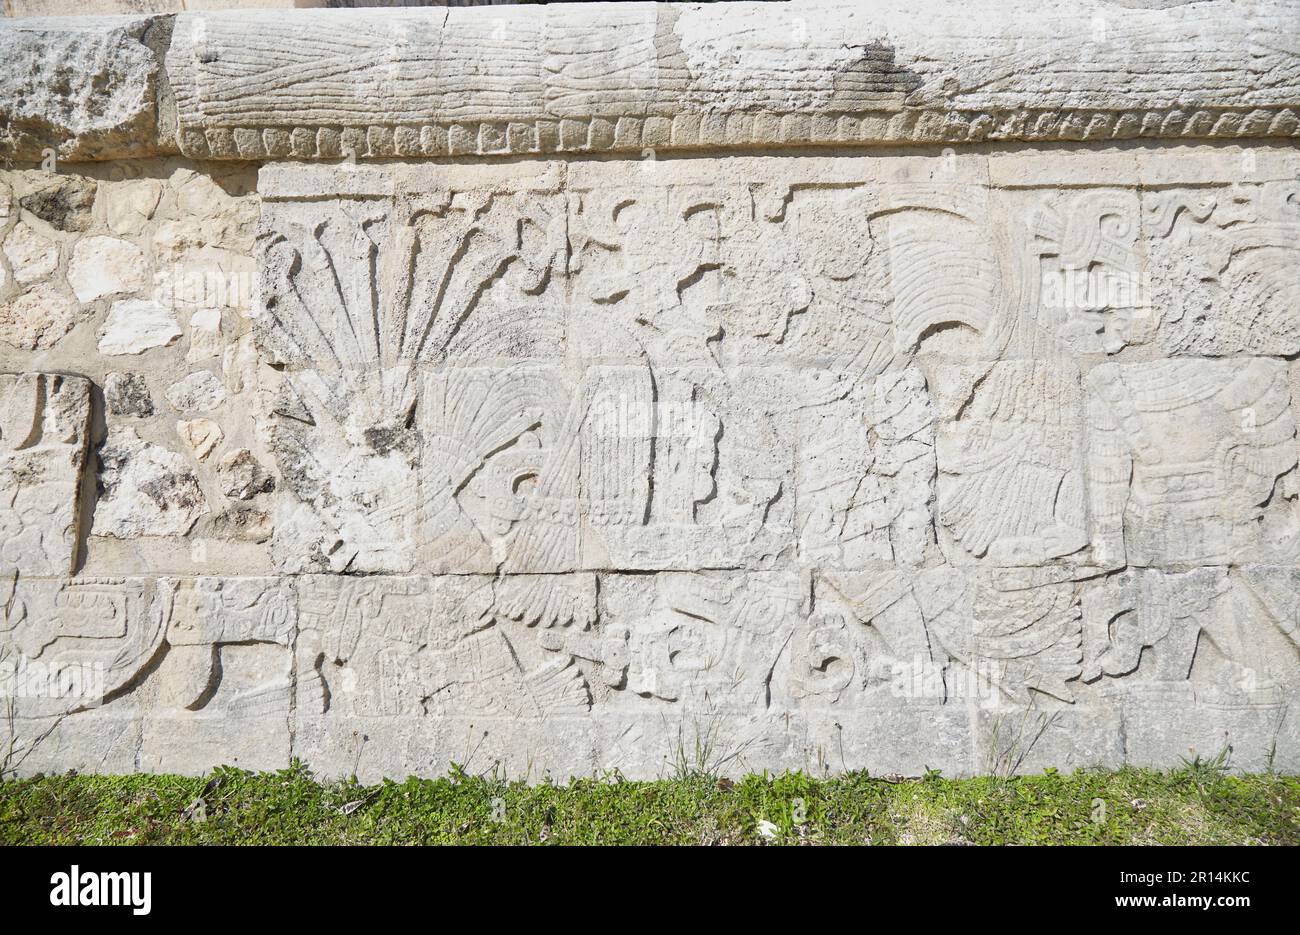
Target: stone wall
<point x="651" y="387"/>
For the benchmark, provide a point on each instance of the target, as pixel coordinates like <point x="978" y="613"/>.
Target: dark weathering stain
<point x="873" y="79"/>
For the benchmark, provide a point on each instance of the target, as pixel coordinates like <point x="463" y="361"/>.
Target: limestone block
<point x="379" y="84"/>
<point x="242" y="477"/>
<point x="224" y="689"/>
<point x="62" y="201"/>
<point x="32" y="256"/>
<point x="207" y="218"/>
<point x="146" y="490"/>
<point x="1188" y="462"/>
<point x="43" y="440"/>
<point x="865" y="482"/>
<point x="102" y="266"/>
<point x="1224" y="271"/>
<point x="391" y="668"/>
<point x="71" y="644"/>
<point x="1011" y="485"/>
<point x="131" y="204"/>
<point x="700" y="643"/>
<point x="205" y="335"/>
<point x="200" y="391"/>
<point x="976" y="637"/>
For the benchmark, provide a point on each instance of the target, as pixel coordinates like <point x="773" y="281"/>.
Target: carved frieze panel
<point x="789" y="461"/>
<point x="43" y="440"/>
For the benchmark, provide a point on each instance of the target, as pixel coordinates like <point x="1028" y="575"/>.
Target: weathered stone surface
<point x="145" y="490"/>
<point x="1224" y="271"/>
<point x="205" y="335"/>
<point x="1191" y="462"/>
<point x="127" y="394"/>
<point x="78" y="641"/>
<point x="102" y="266"/>
<point x="63" y="202"/>
<point x="43" y="439"/>
<point x="661" y="76"/>
<point x="209" y="219"/>
<point x="242" y="524"/>
<point x="979" y="458"/>
<point x="413" y="83"/>
<point x="32" y="256"/>
<point x="200" y="391"/>
<point x="202" y="436"/>
<point x="131" y="205"/>
<point x="1011" y="487"/>
<point x="242" y="477"/>
<point x="137" y="325"/>
<point x="82" y="86"/>
<point x="37" y="319"/>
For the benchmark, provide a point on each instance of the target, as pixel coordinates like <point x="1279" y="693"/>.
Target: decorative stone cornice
<point x="631" y="77"/>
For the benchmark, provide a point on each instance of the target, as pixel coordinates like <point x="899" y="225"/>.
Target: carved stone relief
<point x="775" y="461"/>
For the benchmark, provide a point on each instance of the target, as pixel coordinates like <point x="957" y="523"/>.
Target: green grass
<point x="1198" y="804"/>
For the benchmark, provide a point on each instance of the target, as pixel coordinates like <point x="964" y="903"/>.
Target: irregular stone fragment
<point x="145" y="490"/>
<point x="62" y="201"/>
<point x="205" y="335"/>
<point x="44" y="429"/>
<point x="242" y="477"/>
<point x="202" y="435"/>
<point x="201" y="391"/>
<point x="137" y="325"/>
<point x="127" y="394"/>
<point x="103" y="266"/>
<point x="209" y="218"/>
<point x="131" y="204"/>
<point x="32" y="255"/>
<point x="37" y="319"/>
